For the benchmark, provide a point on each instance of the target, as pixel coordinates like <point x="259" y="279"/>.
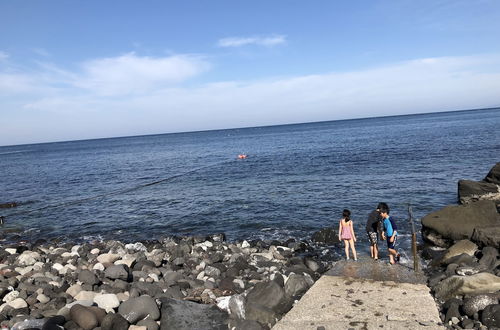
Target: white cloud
<point x="130" y="73"/>
<point x="72" y="105"/>
<point x="259" y="41"/>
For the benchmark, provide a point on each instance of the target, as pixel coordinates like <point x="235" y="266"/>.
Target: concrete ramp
<point x="337" y="301"/>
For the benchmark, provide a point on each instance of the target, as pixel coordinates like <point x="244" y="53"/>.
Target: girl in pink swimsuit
<point x="346" y="233"/>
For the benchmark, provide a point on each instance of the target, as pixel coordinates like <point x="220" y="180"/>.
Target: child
<point x="390" y="234"/>
<point x="346" y="233"/>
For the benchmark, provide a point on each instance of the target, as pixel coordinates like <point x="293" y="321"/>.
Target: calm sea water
<point x="296" y="179"/>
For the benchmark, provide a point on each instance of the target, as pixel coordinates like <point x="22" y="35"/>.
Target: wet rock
<point x="327" y="236"/>
<point x="489" y="257"/>
<point x="177" y="314"/>
<point x="478" y="303"/>
<point x="136" y="309"/>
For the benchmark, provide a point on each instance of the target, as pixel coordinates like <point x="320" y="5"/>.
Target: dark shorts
<point x="392" y="245"/>
<point x="372" y="237"/>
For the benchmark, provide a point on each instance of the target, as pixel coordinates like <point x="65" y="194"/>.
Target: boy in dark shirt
<point x="372" y="230"/>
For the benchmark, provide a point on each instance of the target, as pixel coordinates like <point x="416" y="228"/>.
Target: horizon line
<point x="250" y="127"/>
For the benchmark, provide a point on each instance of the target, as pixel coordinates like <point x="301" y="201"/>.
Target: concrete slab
<point x="352" y="302"/>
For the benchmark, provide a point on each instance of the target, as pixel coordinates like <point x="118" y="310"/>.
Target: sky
<point x="73" y="70"/>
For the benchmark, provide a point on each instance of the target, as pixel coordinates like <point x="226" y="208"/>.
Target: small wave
<point x="13" y="152"/>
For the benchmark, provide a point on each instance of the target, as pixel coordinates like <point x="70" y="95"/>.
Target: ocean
<point x="296" y="179"/>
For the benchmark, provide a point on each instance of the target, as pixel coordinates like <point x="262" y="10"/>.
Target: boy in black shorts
<point x="373" y="226"/>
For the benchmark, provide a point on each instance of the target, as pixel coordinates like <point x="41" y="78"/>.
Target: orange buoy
<point x="242" y="156"/>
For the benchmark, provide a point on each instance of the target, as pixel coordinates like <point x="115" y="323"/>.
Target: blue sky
<point x="89" y="69"/>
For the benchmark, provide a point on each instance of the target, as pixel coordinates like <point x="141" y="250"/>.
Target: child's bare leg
<point x="375" y="251"/>
<point x="346" y="247"/>
<point x="351" y="242"/>
<point x="392" y="255"/>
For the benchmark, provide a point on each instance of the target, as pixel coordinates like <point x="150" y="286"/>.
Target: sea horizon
<point x="259" y="126"/>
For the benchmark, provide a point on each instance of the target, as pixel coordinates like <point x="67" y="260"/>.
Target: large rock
<point x="87" y="277"/>
<point x="296" y="285"/>
<point x="472" y="285"/>
<point x="459" y="222"/>
<point x="187" y="315"/>
<point x="107" y="301"/>
<point x="326" y="236"/>
<point x="117" y="272"/>
<point x="136" y="309"/>
<point x="487" y="236"/>
<point x="28" y="258"/>
<point x="471" y="191"/>
<point x="83" y="316"/>
<point x="494" y="175"/>
<point x="270" y="295"/>
<point x="460" y="247"/>
<point x="489" y="258"/>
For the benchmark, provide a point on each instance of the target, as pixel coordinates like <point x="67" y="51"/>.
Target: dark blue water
<point x="296" y="179"/>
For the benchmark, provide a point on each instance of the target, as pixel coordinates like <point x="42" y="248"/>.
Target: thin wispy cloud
<point x="268" y="41"/>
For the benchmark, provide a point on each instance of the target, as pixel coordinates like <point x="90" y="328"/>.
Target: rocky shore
<point x="462" y="246"/>
<point x="178" y="283"/>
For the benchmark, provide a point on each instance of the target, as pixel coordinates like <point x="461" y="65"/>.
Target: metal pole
<point x="413" y="240"/>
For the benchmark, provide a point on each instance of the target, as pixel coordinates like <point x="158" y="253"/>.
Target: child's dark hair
<point x="384" y="208"/>
<point x="346" y="214"/>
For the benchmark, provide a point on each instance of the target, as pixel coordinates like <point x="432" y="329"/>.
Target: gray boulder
<point x="459" y="248"/>
<point x="139" y="308"/>
<point x="114" y="322"/>
<point x="327" y="236"/>
<point x="296" y="285"/>
<point x="87" y="277"/>
<point x="479" y="302"/>
<point x="187" y="315"/>
<point x="491" y="316"/>
<point x="459" y="222"/>
<point x="489" y="258"/>
<point x="487" y="236"/>
<point x="472" y="285"/>
<point x="471" y="191"/>
<point x="83" y="316"/>
<point x="271" y="296"/>
<point x="494" y="175"/>
<point x="117" y="272"/>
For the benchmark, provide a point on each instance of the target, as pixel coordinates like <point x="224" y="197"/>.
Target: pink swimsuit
<point x="346" y="231"/>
